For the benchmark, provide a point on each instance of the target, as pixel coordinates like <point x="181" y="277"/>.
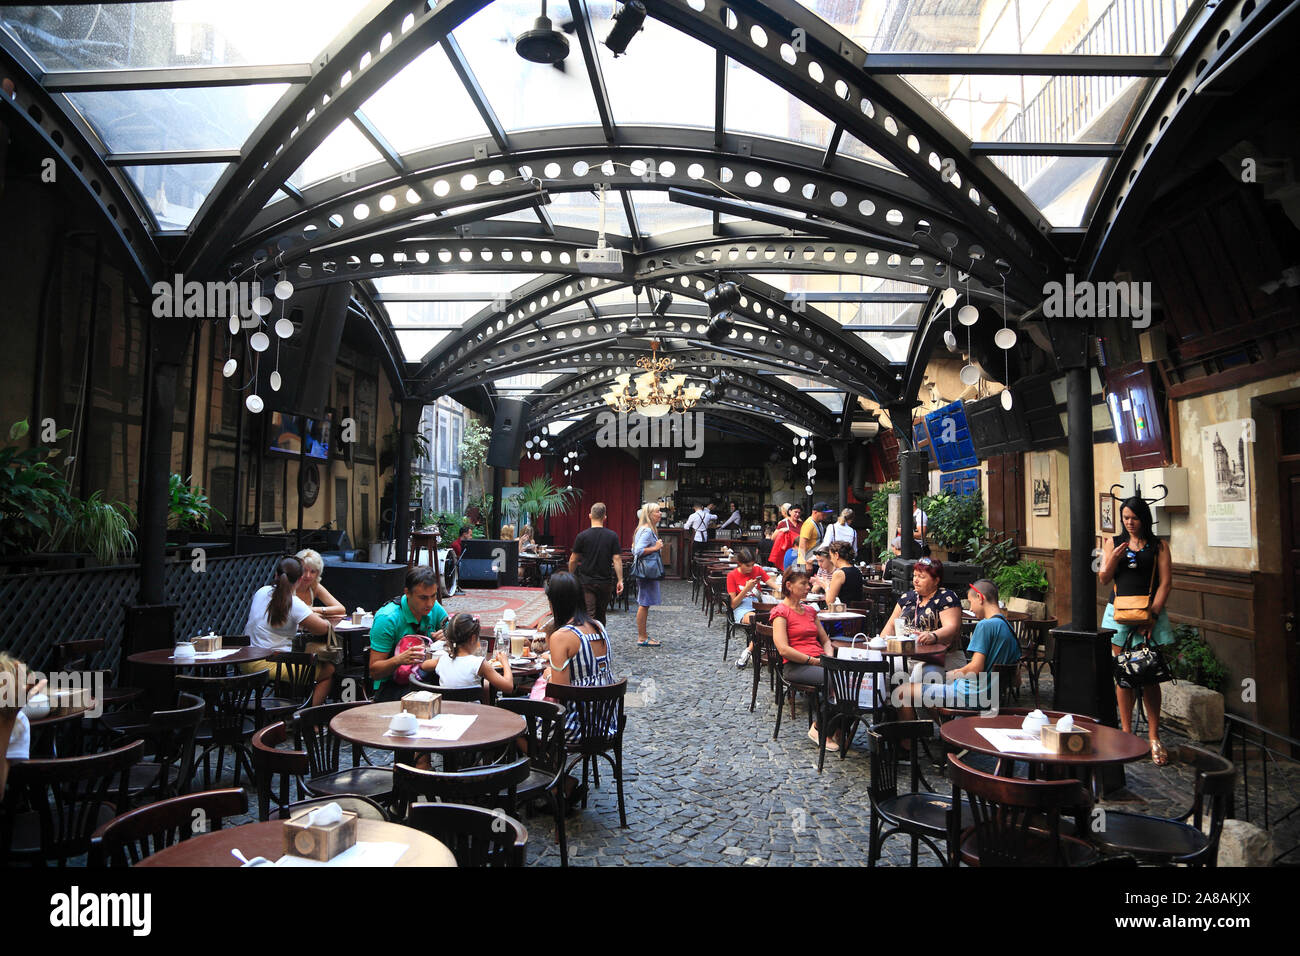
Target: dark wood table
<point x="162" y="657"/>
<point x="1109" y="746"/>
<point x="367" y="725"/>
<point x="267" y="839"/>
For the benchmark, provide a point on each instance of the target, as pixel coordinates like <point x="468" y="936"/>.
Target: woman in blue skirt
<point x="645" y="542"/>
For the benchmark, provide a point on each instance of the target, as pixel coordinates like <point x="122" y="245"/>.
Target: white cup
<point x="37" y="706"/>
<point x="183" y="650"/>
<point x="403" y="723"/>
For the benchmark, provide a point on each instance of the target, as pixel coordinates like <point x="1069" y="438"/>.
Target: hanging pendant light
<point x="230" y="368"/>
<point x="283" y="289"/>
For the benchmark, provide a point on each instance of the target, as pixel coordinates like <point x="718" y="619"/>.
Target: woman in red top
<point x="786" y="536"/>
<point x="800" y="639"/>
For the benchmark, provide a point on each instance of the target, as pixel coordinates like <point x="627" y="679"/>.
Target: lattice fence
<point x="38" y="610"/>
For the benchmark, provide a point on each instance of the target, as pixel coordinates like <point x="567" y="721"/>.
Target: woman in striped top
<point x="580" y="651"/>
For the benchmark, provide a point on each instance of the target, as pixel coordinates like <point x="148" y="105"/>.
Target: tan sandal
<point x="1159" y="756"/>
<point x="831" y="745"/>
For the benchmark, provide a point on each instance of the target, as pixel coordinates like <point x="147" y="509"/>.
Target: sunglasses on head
<point x="924" y="562"/>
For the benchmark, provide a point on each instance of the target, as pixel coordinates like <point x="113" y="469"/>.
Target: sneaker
<point x="743" y="659"/>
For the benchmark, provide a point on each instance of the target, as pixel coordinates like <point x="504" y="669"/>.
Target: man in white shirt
<point x="698" y="524"/>
<point x="733" y="520"/>
<point x="919" y="521"/>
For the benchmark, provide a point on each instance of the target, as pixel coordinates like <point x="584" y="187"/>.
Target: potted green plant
<point x="952" y="521"/>
<point x="539" y="500"/>
<point x="188" y="509"/>
<point x="104" y="528"/>
<point x="1194" y="660"/>
<point x="34" y="497"/>
<point x="879" y="534"/>
<point x="1026" y="579"/>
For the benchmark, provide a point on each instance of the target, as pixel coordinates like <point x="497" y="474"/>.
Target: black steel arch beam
<point x="390" y="350"/>
<point x="1168" y="119"/>
<point x="752" y="426"/>
<point x="365" y="56"/>
<point x="929" y="331"/>
<point x="827" y="73"/>
<point x="34" y="115"/>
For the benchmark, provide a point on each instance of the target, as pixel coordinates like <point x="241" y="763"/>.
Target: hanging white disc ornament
<point x="230" y="368"/>
<point x="969" y="375"/>
<point x="276" y="381"/>
<point x="1005" y="338"/>
<point x="283" y="289"/>
<point x="794" y="460"/>
<point x="803" y="454"/>
<point x="254" y="403"/>
<point x="1006" y="399"/>
<point x="284" y="328"/>
<point x="807" y="489"/>
<point x="949" y="297"/>
<point x="262" y="305"/>
<point x="811" y="459"/>
<point x="812" y="472"/>
<point x="259" y="341"/>
<point x="968" y="315"/>
<point x="950" y="340"/>
<point x="233" y="325"/>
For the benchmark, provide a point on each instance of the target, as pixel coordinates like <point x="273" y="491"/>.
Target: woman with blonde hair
<point x="842" y="530"/>
<point x="647" y="568"/>
<point x="526" y="540"/>
<point x="507" y="532"/>
<point x="310" y="590"/>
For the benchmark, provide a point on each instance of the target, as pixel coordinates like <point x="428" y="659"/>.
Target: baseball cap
<point x="822" y="506"/>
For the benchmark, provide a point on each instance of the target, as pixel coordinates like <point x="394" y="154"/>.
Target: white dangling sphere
<point x="968" y="315"/>
<point x="794" y="460"/>
<point x="283" y="289"/>
<point x="276" y="381"/>
<point x="284" y="328"/>
<point x="577" y="468"/>
<point x="259" y="341"/>
<point x="807" y="489"/>
<point x="1006" y="399"/>
<point x="230" y="368"/>
<point x="803" y="454"/>
<point x="254" y="403"/>
<point x="233" y="325"/>
<point x="262" y="305"/>
<point x="950" y="340"/>
<point x="969" y="375"/>
<point x="812" y="458"/>
<point x="529" y="443"/>
<point x="812" y="473"/>
<point x="537" y="456"/>
<point x="1005" y="338"/>
<point x="949" y="298"/>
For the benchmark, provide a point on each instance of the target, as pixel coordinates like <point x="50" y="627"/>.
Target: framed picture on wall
<point x="1042" y="479"/>
<point x="1106" y="512"/>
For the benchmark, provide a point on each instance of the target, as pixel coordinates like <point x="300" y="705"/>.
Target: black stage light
<point x="664" y="304"/>
<point x="628" y="22"/>
<point x="719" y="327"/>
<point x="723" y="296"/>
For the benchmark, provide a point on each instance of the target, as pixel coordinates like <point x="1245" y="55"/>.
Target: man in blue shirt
<point x="418" y="612"/>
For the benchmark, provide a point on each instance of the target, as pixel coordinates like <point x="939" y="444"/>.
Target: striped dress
<point x="586" y="669"/>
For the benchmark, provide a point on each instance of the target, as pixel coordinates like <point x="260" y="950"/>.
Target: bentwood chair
<point x="765" y="656"/>
<point x="601" y="721"/>
<point x="841" y="708"/>
<point x="918" y="813"/>
<point x="475" y="836"/>
<point x="544" y="734"/>
<point x="1015" y="822"/>
<point x="75" y="655"/>
<point x="363" y="807"/>
<point x="493" y="787"/>
<point x="292" y="688"/>
<point x="326" y="775"/>
<point x="227" y="723"/>
<point x="53" y="806"/>
<point x="1173" y="840"/>
<point x="169" y="737"/>
<point x="127" y="839"/>
<point x="276" y="768"/>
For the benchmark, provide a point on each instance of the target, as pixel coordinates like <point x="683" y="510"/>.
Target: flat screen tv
<point x="286" y="433"/>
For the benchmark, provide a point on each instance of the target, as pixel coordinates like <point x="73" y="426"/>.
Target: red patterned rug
<point x="529" y="604"/>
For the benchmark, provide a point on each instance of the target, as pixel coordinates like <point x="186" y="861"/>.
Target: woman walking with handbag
<point x="1140" y="567"/>
<point x="647" y="568"/>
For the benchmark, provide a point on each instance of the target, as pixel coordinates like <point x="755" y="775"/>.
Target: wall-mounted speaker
<point x="508" y="433"/>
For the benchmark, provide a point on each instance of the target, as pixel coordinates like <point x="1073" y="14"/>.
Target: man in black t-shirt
<point x="597" y="560"/>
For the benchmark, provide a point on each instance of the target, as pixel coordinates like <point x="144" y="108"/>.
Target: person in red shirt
<point x="743" y="586"/>
<point x="459" y="544"/>
<point x="786" y="536"/>
<point x="800" y="639"/>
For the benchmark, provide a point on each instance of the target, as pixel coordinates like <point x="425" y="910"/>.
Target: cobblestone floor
<point x="705" y="783"/>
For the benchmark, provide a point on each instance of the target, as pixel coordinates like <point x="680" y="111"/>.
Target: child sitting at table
<point x="463" y="666"/>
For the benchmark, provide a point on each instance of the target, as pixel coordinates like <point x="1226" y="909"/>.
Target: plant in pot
<point x="1026" y="579"/>
<point x="104" y="528"/>
<point x="34" y="497"/>
<point x="188" y="509"/>
<point x="1194" y="660"/>
<point x="952" y="520"/>
<point x="541" y="500"/>
<point x="878" y="509"/>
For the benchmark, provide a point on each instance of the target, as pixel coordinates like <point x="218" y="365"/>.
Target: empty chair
<point x="765" y="654"/>
<point x="275" y="768"/>
<point x="127" y="839"/>
<point x="493" y="787"/>
<point x="227" y="722"/>
<point x="918" y="812"/>
<point x="545" y="746"/>
<point x="1173" y="840"/>
<point x="291" y="690"/>
<point x="841" y="706"/>
<point x="75" y="655"/>
<point x="363" y="807"/>
<point x="68" y="798"/>
<point x="475" y="836"/>
<point x="1014" y="822"/>
<point x="594" y="730"/>
<point x="325" y="774"/>
<point x="169" y="737"/>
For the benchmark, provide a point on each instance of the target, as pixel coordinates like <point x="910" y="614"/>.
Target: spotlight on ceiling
<point x="543" y="43"/>
<point x="664" y="304"/>
<point x="636" y="326"/>
<point x="723" y="296"/>
<point x="719" y="327"/>
<point x="628" y="22"/>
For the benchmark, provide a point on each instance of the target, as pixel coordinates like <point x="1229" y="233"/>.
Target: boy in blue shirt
<point x="992" y="644"/>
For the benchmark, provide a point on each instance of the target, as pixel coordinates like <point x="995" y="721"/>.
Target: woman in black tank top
<point x="846" y="579"/>
<point x="1138" y="564"/>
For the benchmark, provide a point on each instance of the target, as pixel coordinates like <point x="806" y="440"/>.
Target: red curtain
<point x="610" y="475"/>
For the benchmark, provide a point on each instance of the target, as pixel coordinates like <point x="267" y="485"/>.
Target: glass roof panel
<point x="416" y="345"/>
<point x="581" y="210"/>
<point x="431" y="313"/>
<point x="489" y="283"/>
<point x="1004" y="26"/>
<point x="1060" y="186"/>
<point x="757" y="105"/>
<point x="343" y="150"/>
<point x="525" y="384"/>
<point x="853" y="148"/>
<point x="682" y="96"/>
<point x="175" y="193"/>
<point x="1033" y="109"/>
<point x="401" y="109"/>
<point x="525" y="95"/>
<point x="111" y="36"/>
<point x="659" y="215"/>
<point x="892" y="347"/>
<point x="134" y="121"/>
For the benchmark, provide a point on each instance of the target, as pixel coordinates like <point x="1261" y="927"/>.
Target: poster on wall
<point x="1042" y="478"/>
<point x="1226" y="467"/>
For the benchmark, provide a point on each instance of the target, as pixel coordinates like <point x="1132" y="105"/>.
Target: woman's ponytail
<point x="287" y="573"/>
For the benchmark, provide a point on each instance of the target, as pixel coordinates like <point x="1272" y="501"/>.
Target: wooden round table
<point x="267" y="839"/>
<point x="162" y="657"/>
<point x="1109" y="745"/>
<point x="367" y="725"/>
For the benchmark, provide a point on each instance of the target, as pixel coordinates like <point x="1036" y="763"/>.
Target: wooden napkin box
<point x="901" y="645"/>
<point x="319" y="842"/>
<point x="206" y="645"/>
<point x="1076" y="741"/>
<point x="424" y="704"/>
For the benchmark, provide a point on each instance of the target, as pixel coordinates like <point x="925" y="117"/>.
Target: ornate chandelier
<point x="651" y="397"/>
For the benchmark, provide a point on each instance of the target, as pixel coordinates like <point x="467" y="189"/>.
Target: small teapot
<point x="1034" y="722"/>
<point x="183" y="650"/>
<point x="403" y="722"/>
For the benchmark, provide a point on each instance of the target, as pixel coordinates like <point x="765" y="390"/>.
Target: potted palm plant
<point x="188" y="509"/>
<point x="540" y="500"/>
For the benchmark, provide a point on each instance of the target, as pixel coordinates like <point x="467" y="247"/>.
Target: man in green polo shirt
<point x="418" y="612"/>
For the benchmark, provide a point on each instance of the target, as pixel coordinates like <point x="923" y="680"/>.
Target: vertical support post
<point x="1083" y="590"/>
<point x="841" y="452"/>
<point x="407" y="427"/>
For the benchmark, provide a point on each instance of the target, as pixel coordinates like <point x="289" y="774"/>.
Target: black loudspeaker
<point x="307" y="359"/>
<point x="1083" y="673"/>
<point x="993" y="429"/>
<point x="508" y="433"/>
<point x="956" y="577"/>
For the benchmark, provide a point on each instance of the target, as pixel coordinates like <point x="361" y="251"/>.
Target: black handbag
<point x="1135" y="669"/>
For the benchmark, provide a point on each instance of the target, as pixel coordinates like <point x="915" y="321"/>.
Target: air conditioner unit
<point x="604" y="261"/>
<point x="865" y="430"/>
